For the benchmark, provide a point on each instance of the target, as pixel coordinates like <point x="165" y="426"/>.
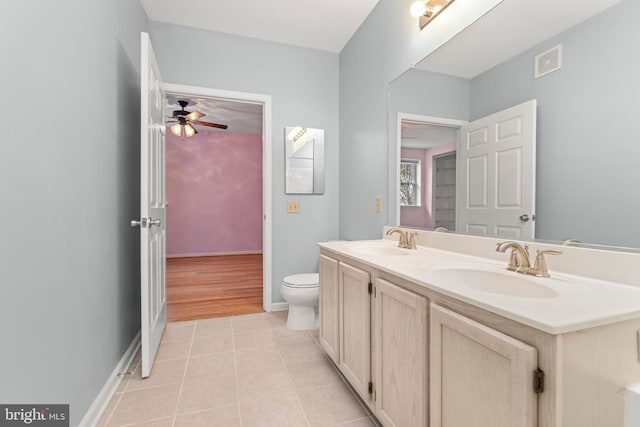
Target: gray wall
<point x="385" y="45"/>
<point x="303" y="84"/>
<point x="69" y="304"/>
<point x="427" y="94"/>
<point x="588" y="147"/>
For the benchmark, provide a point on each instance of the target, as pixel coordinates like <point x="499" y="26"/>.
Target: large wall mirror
<point x="304" y="162"/>
<point x="588" y="150"/>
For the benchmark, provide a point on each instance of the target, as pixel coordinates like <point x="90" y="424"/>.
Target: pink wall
<point x="214" y="191"/>
<point x="421" y="216"/>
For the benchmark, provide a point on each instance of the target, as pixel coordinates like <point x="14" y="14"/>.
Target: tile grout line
<point x="184" y="375"/>
<point x="235" y="371"/>
<point x="133" y="366"/>
<point x="355" y="395"/>
<point x="144" y="422"/>
<point x="113" y="411"/>
<point x="295" y="391"/>
<point x="343" y="423"/>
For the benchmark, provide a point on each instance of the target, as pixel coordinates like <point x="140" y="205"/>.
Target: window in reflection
<point x="410" y="172"/>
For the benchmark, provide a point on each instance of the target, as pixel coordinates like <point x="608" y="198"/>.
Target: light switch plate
<point x="293" y="206"/>
<point x="379" y="204"/>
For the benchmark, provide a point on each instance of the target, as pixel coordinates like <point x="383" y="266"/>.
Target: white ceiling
<point x="510" y="28"/>
<point x="241" y="117"/>
<point x="326" y="25"/>
<point x="424" y="135"/>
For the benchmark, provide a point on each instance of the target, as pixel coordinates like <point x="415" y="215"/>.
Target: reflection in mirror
<point x="427" y="173"/>
<point x="587" y="145"/>
<point x="304" y="162"/>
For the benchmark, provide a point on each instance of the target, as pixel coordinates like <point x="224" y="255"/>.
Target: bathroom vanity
<point x="441" y="337"/>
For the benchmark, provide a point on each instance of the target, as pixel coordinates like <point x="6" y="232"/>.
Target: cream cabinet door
<point x="479" y="377"/>
<point x="355" y="328"/>
<point x="400" y="325"/>
<point x="329" y="307"/>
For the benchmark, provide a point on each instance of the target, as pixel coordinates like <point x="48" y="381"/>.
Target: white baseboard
<point x="279" y="306"/>
<point x="214" y="254"/>
<point x="103" y="398"/>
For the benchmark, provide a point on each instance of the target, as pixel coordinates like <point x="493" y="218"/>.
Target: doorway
<point x="444" y="191"/>
<point x="426" y="178"/>
<point x="218" y="205"/>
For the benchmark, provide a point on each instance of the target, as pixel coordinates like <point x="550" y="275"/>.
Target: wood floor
<point x="213" y="286"/>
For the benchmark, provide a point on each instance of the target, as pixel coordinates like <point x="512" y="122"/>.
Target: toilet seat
<point x="307" y="280"/>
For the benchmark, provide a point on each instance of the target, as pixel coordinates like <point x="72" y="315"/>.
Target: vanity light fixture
<point x="182" y="128"/>
<point x="426" y="10"/>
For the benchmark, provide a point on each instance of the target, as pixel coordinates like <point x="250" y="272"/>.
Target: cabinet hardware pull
<point x="538" y="381"/>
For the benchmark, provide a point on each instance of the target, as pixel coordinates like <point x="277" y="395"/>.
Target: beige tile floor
<point x="237" y="371"/>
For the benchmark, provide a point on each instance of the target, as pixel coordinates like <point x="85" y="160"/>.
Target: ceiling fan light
<point x="176" y="129"/>
<point x="189" y="130"/>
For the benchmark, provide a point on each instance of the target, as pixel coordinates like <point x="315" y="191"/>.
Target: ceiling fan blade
<point x="211" y="125"/>
<point x="194" y="115"/>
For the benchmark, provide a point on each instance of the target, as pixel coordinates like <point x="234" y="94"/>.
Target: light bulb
<point x="418" y="8"/>
<point x="176" y="129"/>
<point x="189" y="130"/>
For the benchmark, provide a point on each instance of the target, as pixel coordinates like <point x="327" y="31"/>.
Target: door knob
<point x="524" y="218"/>
<point x="154" y="222"/>
<point x="142" y="223"/>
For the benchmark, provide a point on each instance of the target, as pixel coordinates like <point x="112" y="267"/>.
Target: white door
<point x="152" y="207"/>
<point x="496" y="181"/>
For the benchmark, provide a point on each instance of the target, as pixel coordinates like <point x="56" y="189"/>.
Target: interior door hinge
<point x="370" y="387"/>
<point x="370" y="292"/>
<point x="538" y="381"/>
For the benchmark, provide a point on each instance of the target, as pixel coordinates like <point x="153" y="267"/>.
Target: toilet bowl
<point x="301" y="291"/>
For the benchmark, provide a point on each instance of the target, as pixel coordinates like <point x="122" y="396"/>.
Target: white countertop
<point x="572" y="302"/>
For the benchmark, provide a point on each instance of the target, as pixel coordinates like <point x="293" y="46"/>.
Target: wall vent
<point x="549" y="61"/>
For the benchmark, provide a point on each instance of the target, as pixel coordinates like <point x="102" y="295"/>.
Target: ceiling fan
<point x="184" y="121"/>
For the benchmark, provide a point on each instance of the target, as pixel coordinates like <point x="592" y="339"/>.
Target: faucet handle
<point x="548" y="252"/>
<point x="514" y="261"/>
<point x="412" y="240"/>
<point x="540" y="266"/>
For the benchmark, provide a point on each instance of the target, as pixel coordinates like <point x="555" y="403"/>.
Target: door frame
<point x="267" y="169"/>
<point x="431" y="120"/>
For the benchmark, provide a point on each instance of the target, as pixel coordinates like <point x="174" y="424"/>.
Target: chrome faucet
<point x="406" y="241"/>
<point x="519" y="255"/>
<point x="519" y="261"/>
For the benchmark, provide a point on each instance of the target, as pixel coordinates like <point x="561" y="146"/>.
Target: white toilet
<point x="301" y="291"/>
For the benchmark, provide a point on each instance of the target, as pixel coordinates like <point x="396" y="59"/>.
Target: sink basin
<point x="378" y="249"/>
<point x="495" y="282"/>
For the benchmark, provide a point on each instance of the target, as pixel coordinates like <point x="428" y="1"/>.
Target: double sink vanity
<point x="446" y="335"/>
